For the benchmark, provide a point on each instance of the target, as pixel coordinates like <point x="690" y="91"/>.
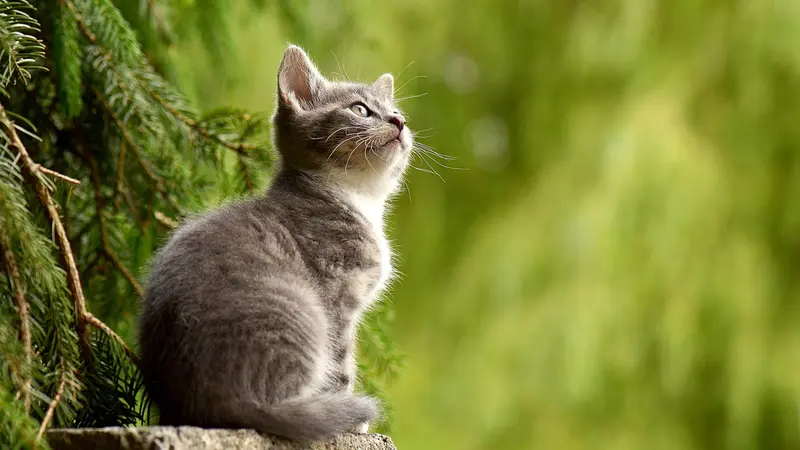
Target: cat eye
<point x="361" y="110"/>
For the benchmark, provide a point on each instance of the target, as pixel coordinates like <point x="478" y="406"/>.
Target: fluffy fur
<point x="251" y="310"/>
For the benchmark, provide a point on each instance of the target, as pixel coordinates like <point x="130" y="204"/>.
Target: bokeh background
<point x="613" y="260"/>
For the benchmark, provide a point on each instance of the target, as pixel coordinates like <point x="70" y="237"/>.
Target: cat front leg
<point x="342" y="374"/>
<point x="342" y="378"/>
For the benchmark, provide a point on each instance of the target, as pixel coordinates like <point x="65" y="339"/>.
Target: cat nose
<point x="398" y="121"/>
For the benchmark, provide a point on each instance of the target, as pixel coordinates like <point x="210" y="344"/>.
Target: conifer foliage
<point x="100" y="155"/>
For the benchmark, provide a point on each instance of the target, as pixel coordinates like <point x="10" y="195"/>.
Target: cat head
<point x="352" y="133"/>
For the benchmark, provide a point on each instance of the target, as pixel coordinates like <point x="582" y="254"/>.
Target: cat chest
<point x="367" y="282"/>
<point x="369" y="279"/>
<point x="384" y="271"/>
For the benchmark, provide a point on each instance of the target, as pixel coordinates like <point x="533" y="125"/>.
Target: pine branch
<point x="22" y="307"/>
<point x="155" y="178"/>
<point x="42" y="169"/>
<point x="122" y="81"/>
<point x="239" y="148"/>
<point x="147" y="80"/>
<point x="53" y="404"/>
<point x="19" y="46"/>
<point x="42" y="193"/>
<point x="73" y="277"/>
<point x="97" y="323"/>
<point x="67" y="54"/>
<point x="101" y="221"/>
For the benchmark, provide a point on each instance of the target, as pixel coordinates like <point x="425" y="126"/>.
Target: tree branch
<point x="158" y="182"/>
<point x="73" y="277"/>
<point x="155" y="178"/>
<point x="97" y="323"/>
<point x="22" y="307"/>
<point x="240" y="148"/>
<point x="53" y="404"/>
<point x="41" y="168"/>
<point x="101" y="221"/>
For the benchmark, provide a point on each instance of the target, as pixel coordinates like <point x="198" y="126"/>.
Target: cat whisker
<point x="375" y="141"/>
<point x="418" y="136"/>
<point x="433" y="171"/>
<point x="404" y="69"/>
<point x="445" y="166"/>
<point x="440" y="164"/>
<point x="407" y="188"/>
<point x="419" y="168"/>
<point x="367" y="158"/>
<point x="430" y="151"/>
<point x="343" y="73"/>
<point x="369" y="146"/>
<point x="339" y="145"/>
<point x="336" y="131"/>
<point x="359" y="142"/>
<point x="378" y="155"/>
<point x="334" y="150"/>
<point x="409" y="97"/>
<point x="409" y="81"/>
<point x="419" y="133"/>
<point x="347" y="163"/>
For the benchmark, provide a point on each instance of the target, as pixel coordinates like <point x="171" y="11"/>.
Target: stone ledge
<point x="190" y="438"/>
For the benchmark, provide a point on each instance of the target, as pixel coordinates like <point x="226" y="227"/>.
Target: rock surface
<point x="190" y="438"/>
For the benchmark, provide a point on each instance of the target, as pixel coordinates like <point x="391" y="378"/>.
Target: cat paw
<point x="362" y="428"/>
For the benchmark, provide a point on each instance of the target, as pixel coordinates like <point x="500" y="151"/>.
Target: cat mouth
<point x="393" y="141"/>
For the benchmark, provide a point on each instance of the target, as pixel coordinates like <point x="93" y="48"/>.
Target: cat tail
<point x="312" y="418"/>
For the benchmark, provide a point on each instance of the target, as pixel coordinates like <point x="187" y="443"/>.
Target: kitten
<point x="251" y="310"/>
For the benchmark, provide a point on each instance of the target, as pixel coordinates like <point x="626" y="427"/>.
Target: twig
<point x="53" y="404"/>
<point x="97" y="323"/>
<point x="165" y="221"/>
<point x="155" y="178"/>
<point x="129" y="139"/>
<point x="240" y="148"/>
<point x="101" y="221"/>
<point x="53" y="173"/>
<point x="120" y="175"/>
<point x="131" y="204"/>
<point x="22" y="307"/>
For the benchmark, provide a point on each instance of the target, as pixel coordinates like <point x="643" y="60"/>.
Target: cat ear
<point x="384" y="85"/>
<point x="299" y="80"/>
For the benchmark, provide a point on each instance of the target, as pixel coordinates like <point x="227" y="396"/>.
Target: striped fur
<point x="251" y="310"/>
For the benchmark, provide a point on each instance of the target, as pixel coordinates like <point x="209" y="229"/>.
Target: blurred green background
<point x="614" y="262"/>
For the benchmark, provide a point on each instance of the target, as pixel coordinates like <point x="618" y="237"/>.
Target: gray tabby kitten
<point x="251" y="310"/>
